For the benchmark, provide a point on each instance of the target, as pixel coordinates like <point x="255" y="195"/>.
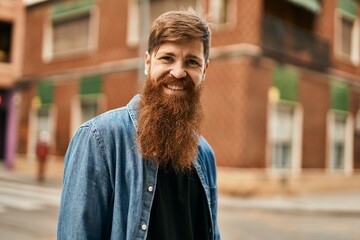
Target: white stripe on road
<point x="27" y="197"/>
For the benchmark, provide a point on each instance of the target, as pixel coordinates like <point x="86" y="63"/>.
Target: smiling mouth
<point x="174" y="90"/>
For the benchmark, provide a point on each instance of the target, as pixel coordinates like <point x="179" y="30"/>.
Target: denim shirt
<point x="108" y="187"/>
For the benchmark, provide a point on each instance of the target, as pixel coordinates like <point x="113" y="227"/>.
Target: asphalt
<point x="338" y="203"/>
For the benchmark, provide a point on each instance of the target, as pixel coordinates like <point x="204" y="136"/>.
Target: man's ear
<point x="147" y="62"/>
<point x="205" y="69"/>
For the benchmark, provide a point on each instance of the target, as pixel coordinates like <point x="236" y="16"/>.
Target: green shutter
<point x="45" y="90"/>
<point x="311" y="5"/>
<point x="348" y="6"/>
<point x="71" y="8"/>
<point x="286" y="81"/>
<point x="339" y="96"/>
<point x="90" y="85"/>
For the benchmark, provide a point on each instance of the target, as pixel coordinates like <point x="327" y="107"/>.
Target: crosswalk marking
<point x="27" y="197"/>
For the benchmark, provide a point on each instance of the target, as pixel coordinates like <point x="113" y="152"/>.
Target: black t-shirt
<point x="180" y="210"/>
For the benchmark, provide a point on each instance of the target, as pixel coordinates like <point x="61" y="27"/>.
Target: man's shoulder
<point x="109" y="116"/>
<point x="113" y="120"/>
<point x="205" y="148"/>
<point x="121" y="115"/>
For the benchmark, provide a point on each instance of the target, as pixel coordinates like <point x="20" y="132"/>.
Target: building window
<point x="71" y="35"/>
<point x="90" y="95"/>
<point x="338" y="142"/>
<point x="5" y="42"/>
<point x="71" y="30"/>
<point x="341" y="127"/>
<point x="347" y="32"/>
<point x="89" y="108"/>
<point x="143" y="13"/>
<point x="157" y="7"/>
<point x="282" y="125"/>
<point x="221" y="11"/>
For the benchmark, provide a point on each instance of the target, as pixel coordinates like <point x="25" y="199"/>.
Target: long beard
<point x="169" y="126"/>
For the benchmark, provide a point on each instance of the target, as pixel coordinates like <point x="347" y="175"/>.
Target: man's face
<point x="179" y="60"/>
<point x="170" y="111"/>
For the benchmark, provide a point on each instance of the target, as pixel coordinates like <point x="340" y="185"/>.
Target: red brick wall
<point x="235" y="102"/>
<point x="111" y="40"/>
<point x="119" y="88"/>
<point x="245" y="27"/>
<point x="314" y="96"/>
<point x="65" y="91"/>
<point x="23" y="126"/>
<point x="354" y="108"/>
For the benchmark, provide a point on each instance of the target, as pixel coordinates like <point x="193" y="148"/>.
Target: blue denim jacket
<point x="108" y="187"/>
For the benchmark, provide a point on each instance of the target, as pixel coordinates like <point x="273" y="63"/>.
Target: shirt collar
<point x="133" y="109"/>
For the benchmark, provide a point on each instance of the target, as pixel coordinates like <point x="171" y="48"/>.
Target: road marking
<point x="27" y="197"/>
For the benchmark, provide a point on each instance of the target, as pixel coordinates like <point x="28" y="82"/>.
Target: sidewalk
<point x="25" y="171"/>
<point x="340" y="203"/>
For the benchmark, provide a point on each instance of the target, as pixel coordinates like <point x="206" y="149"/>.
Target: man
<point x="144" y="171"/>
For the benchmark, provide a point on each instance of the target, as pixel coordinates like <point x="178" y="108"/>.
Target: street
<point x="29" y="212"/>
<point x="262" y="224"/>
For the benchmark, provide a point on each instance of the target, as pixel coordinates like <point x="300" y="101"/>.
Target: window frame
<point x="48" y="53"/>
<point x="230" y="10"/>
<point x="347" y="165"/>
<point x="294" y="167"/>
<point x="354" y="57"/>
<point x="135" y="25"/>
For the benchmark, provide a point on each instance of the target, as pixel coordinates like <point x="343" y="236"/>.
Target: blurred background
<point x="281" y="101"/>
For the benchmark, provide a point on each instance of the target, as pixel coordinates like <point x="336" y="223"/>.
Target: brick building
<point x="281" y="97"/>
<point x="11" y="35"/>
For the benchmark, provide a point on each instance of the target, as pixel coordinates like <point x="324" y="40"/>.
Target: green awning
<point x="71" y="8"/>
<point x="90" y="85"/>
<point x="311" y="5"/>
<point x="45" y="92"/>
<point x="348" y="6"/>
<point x="286" y="81"/>
<point x="339" y="96"/>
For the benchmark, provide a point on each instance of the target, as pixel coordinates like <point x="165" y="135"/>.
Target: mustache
<point x="185" y="82"/>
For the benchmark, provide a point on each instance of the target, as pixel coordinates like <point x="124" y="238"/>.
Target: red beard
<point x="168" y="125"/>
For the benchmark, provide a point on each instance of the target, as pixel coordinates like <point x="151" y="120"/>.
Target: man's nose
<point x="178" y="71"/>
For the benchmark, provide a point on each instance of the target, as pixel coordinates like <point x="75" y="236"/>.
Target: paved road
<point x="254" y="224"/>
<point x="28" y="212"/>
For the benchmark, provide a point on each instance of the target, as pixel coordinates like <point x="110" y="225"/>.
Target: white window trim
<point x="133" y="23"/>
<point x="296" y="153"/>
<point x="349" y="141"/>
<point x="75" y="119"/>
<point x="231" y="12"/>
<point x="354" y="58"/>
<point x="47" y="48"/>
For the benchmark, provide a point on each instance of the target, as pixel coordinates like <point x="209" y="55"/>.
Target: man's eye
<point x="166" y="58"/>
<point x="193" y="62"/>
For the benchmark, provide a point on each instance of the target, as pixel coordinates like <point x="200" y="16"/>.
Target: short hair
<point x="177" y="26"/>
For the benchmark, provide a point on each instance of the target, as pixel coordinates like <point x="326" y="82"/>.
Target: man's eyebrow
<point x="192" y="56"/>
<point x="165" y="53"/>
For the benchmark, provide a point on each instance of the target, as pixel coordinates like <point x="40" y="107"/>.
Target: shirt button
<point x="150" y="188"/>
<point x="143" y="227"/>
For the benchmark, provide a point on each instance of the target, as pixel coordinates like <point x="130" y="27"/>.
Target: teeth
<point x="175" y="88"/>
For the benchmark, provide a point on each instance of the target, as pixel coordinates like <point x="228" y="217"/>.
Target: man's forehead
<point x="193" y="48"/>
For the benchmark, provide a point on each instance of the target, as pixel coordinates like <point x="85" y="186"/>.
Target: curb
<point x="287" y="205"/>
